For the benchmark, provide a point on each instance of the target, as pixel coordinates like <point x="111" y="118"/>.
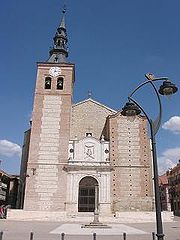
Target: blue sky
<point x="112" y="43"/>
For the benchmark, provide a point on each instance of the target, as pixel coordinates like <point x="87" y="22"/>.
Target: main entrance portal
<point x="86" y="201"/>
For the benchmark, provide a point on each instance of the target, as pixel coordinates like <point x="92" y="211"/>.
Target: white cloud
<point x="173" y="124"/>
<point x="9" y="149"/>
<point x="172" y="153"/>
<point x="168" y="159"/>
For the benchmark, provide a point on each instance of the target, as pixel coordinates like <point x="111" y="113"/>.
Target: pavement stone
<point x="116" y="229"/>
<point x="20" y="230"/>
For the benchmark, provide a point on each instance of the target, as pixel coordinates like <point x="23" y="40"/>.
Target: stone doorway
<point x="86" y="199"/>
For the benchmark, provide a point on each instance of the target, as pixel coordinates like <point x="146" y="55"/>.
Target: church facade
<point x="74" y="147"/>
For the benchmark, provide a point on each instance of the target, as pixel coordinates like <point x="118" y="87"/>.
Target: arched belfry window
<point x="60" y="82"/>
<point x="58" y="42"/>
<point x="47" y="83"/>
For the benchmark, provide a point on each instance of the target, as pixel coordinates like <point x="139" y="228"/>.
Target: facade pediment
<point x="88" y="116"/>
<point x="91" y="101"/>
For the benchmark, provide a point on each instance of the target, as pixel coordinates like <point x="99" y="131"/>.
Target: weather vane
<point x="64" y="8"/>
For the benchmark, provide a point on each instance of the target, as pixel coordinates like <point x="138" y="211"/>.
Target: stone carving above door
<point x="89" y="149"/>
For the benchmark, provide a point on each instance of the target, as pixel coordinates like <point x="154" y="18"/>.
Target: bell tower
<point x="50" y="132"/>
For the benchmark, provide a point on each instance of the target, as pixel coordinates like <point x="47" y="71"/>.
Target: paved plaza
<point x="16" y="230"/>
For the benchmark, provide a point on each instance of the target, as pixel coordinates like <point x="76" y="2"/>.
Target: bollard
<point x="62" y="236"/>
<point x="94" y="236"/>
<point x="31" y="235"/>
<point x="153" y="236"/>
<point x="124" y="236"/>
<point x="1" y="235"/>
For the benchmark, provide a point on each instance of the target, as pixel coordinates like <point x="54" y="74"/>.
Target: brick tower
<point x="50" y="132"/>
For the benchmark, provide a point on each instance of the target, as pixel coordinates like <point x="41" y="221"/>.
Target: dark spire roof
<point x="59" y="52"/>
<point x="62" y="24"/>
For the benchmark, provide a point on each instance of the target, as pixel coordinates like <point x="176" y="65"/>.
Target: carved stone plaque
<point x="89" y="151"/>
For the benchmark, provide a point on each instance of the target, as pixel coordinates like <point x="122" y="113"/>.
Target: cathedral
<point x="72" y="148"/>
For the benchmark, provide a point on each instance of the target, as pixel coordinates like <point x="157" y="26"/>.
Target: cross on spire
<point x="89" y="94"/>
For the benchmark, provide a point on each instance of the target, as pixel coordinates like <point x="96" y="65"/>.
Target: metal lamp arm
<point x="148" y="81"/>
<point x="131" y="99"/>
<point x="156" y="123"/>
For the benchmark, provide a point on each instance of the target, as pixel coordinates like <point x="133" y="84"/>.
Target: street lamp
<point x="132" y="108"/>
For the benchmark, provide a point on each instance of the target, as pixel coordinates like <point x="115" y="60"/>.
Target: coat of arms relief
<point x="89" y="151"/>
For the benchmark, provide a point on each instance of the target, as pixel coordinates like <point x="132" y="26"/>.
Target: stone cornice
<point x="68" y="168"/>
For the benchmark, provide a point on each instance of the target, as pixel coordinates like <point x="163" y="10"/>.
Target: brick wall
<point x="131" y="178"/>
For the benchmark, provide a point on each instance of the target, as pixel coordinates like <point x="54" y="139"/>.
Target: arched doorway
<point x="86" y="200"/>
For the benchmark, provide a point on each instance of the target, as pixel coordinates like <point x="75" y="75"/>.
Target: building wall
<point x="88" y="116"/>
<point x="173" y="176"/>
<point x="4" y="188"/>
<point x="49" y="141"/>
<point x="23" y="169"/>
<point x="13" y="192"/>
<point x="8" y="189"/>
<point x="131" y="178"/>
<point x="164" y="193"/>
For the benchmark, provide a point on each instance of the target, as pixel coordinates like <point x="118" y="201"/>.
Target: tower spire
<point x="59" y="52"/>
<point x="62" y="24"/>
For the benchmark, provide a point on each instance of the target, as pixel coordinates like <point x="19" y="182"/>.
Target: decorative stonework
<point x="103" y="179"/>
<point x="46" y="177"/>
<point x="88" y="150"/>
<point x="88" y="157"/>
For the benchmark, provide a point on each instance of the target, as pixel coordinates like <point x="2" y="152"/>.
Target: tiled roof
<point x="163" y="179"/>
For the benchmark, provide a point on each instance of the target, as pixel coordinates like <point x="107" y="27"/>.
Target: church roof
<point x="95" y="102"/>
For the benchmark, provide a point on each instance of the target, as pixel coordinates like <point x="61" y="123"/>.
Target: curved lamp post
<point x="132" y="108"/>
